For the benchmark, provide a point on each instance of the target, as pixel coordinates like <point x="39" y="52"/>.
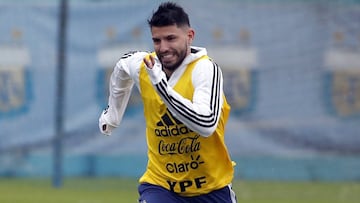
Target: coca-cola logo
<point x="182" y="146"/>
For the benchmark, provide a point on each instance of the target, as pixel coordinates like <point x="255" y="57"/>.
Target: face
<point x="172" y="44"/>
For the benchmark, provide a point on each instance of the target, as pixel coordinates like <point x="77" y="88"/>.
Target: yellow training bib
<point x="179" y="159"/>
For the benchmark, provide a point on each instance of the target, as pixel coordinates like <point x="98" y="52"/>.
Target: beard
<point x="180" y="58"/>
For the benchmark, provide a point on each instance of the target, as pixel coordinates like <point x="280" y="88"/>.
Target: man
<point x="185" y="112"/>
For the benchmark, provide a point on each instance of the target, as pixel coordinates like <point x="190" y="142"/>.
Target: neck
<point x="168" y="72"/>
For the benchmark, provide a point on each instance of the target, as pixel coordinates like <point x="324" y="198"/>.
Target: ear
<point x="191" y="35"/>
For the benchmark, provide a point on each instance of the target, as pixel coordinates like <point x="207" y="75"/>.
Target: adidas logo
<point x="170" y="126"/>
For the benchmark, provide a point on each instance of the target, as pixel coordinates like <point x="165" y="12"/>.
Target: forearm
<point x="120" y="87"/>
<point x="120" y="91"/>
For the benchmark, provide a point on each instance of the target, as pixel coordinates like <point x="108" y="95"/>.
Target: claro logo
<point x="166" y="127"/>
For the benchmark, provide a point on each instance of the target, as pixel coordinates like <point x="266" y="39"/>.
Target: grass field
<point x="125" y="191"/>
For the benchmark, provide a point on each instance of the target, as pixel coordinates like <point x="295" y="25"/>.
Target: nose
<point x="163" y="46"/>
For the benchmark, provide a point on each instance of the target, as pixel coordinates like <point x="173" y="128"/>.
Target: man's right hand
<point x="104" y="128"/>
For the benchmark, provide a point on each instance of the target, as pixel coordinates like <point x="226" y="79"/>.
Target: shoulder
<point x="205" y="65"/>
<point x="199" y="54"/>
<point x="133" y="57"/>
<point x="130" y="62"/>
<point x="205" y="70"/>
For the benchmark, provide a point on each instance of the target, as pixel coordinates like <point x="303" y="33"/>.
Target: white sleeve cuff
<point x="105" y="128"/>
<point x="156" y="74"/>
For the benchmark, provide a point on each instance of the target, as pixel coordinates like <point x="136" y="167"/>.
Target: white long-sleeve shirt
<point x="200" y="114"/>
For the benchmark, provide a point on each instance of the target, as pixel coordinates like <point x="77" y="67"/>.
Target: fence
<point x="291" y="72"/>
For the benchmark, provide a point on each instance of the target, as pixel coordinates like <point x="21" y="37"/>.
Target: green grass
<point x="125" y="191"/>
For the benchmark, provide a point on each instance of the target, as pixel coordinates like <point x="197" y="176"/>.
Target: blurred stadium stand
<point x="291" y="69"/>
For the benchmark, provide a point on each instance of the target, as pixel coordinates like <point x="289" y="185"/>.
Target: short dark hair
<point x="169" y="13"/>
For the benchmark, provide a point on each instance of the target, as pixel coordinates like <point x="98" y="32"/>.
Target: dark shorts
<point x="155" y="194"/>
